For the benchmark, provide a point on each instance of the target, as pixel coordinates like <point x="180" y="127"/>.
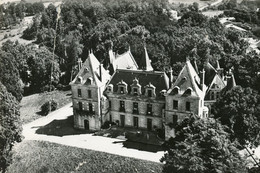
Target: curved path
<point x="87" y="141"/>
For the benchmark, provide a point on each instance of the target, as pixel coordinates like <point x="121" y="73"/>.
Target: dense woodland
<point x="98" y="25"/>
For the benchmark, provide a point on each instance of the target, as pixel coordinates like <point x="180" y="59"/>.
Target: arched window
<point x="150" y="90"/>
<point x="136" y="87"/>
<point x="122" y="87"/>
<point x="110" y="88"/>
<point x="89" y="81"/>
<point x="176" y="90"/>
<point x="79" y="79"/>
<point x="188" y="91"/>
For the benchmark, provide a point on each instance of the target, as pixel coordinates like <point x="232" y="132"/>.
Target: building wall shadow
<point x="61" y="128"/>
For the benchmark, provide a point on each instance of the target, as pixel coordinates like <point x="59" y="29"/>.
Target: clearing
<point x="31" y="105"/>
<point x="16" y="32"/>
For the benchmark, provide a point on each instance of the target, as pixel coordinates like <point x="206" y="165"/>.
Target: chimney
<point x="170" y="77"/>
<point x="79" y="63"/>
<point x="100" y="71"/>
<point x="202" y="80"/>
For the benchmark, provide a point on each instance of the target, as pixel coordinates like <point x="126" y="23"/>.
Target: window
<point x="89" y="81"/>
<point x="217" y="95"/>
<point x="149" y="109"/>
<point x="149" y="123"/>
<point x="149" y="93"/>
<point x="79" y="93"/>
<point x="90" y="107"/>
<point x="174" y="119"/>
<point x="110" y="104"/>
<point x="122" y="106"/>
<point x="188" y="91"/>
<point x="187" y="106"/>
<point x="135" y="108"/>
<point x="89" y="94"/>
<point x="175" y="90"/>
<point x="175" y="104"/>
<point x="122" y="90"/>
<point x="136" y="122"/>
<point x="135" y="91"/>
<point x="80" y="106"/>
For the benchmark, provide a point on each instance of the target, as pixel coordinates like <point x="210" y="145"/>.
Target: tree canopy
<point x="10" y="126"/>
<point x="202" y="145"/>
<point x="239" y="109"/>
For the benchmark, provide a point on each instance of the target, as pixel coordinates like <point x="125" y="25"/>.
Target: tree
<point x="10" y="126"/>
<point x="44" y="68"/>
<point x="239" y="109"/>
<point x="9" y="75"/>
<point x="202" y="146"/>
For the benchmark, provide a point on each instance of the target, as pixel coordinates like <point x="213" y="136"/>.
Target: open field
<point x="188" y="2"/>
<point x="30" y="105"/>
<point x="16" y="32"/>
<point x="39" y="156"/>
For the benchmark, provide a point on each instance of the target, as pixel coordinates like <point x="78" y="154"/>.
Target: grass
<point x="40" y="156"/>
<point x="16" y="32"/>
<point x="30" y="105"/>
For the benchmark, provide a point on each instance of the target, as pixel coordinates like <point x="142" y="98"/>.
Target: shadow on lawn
<point x="61" y="128"/>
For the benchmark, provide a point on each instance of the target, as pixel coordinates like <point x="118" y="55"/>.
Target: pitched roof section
<point x="210" y="73"/>
<point x="188" y="79"/>
<point x="91" y="71"/>
<point x="145" y="63"/>
<point x="123" y="61"/>
<point x="157" y="79"/>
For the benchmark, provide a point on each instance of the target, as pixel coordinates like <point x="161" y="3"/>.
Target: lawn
<point x="31" y="105"/>
<point x="40" y="156"/>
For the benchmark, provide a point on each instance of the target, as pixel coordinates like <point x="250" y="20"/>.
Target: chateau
<point x="139" y="97"/>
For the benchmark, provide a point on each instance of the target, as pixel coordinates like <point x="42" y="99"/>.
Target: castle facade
<point x="139" y="97"/>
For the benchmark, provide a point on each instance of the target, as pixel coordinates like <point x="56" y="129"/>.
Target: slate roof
<point x="145" y="63"/>
<point x="158" y="79"/>
<point x="123" y="61"/>
<point x="91" y="69"/>
<point x="188" y="78"/>
<point x="210" y="73"/>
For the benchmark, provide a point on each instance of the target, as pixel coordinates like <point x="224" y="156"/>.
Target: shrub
<point x="108" y="124"/>
<point x="47" y="88"/>
<point x="45" y="108"/>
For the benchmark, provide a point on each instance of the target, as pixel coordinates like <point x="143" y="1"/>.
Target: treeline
<point x="12" y="13"/>
<point x="97" y="25"/>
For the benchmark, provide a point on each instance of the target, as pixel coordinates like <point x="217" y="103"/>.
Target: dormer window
<point x="121" y="90"/>
<point x="175" y="90"/>
<point x="136" y="88"/>
<point x="188" y="92"/>
<point x="163" y="92"/>
<point x="135" y="91"/>
<point x="89" y="81"/>
<point x="110" y="88"/>
<point x="122" y="87"/>
<point x="150" y="90"/>
<point x="80" y="79"/>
